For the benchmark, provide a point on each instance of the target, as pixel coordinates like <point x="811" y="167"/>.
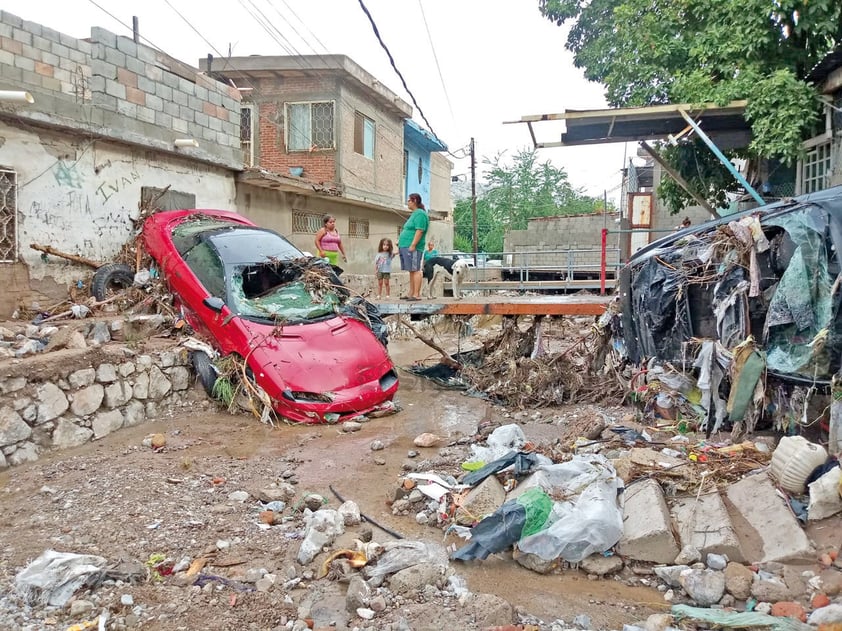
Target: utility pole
<point x="474" y="200"/>
<point x="135" y="30"/>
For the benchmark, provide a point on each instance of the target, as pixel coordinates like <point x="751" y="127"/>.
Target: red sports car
<point x="254" y="294"/>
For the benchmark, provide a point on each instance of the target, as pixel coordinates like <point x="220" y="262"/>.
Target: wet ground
<point x="102" y="497"/>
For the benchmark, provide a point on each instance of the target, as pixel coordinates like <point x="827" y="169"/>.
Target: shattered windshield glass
<point x="280" y="292"/>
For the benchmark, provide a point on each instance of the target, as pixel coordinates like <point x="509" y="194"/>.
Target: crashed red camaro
<point x="240" y="286"/>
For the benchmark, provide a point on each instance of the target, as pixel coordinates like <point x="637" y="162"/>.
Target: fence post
<point x="603" y="260"/>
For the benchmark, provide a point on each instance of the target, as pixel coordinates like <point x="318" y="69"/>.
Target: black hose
<point x="366" y="518"/>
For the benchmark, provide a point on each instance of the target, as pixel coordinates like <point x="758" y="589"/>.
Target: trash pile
<point x="638" y="502"/>
<point x="733" y="324"/>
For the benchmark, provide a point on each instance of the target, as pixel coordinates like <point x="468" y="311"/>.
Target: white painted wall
<point x="79" y="196"/>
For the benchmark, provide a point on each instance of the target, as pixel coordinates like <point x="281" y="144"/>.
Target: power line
<point x="392" y="62"/>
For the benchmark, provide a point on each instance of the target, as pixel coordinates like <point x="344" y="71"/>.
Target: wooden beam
<point x="677" y="177"/>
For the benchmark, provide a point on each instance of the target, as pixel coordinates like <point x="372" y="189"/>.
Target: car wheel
<point x="111" y="277"/>
<point x="204" y="369"/>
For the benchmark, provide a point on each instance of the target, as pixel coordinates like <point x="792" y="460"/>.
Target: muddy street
<point x="118" y="499"/>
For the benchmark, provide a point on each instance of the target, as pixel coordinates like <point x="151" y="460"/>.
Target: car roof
<point x="243" y="245"/>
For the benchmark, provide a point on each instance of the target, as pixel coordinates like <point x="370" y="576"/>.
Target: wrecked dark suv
<point x="731" y="305"/>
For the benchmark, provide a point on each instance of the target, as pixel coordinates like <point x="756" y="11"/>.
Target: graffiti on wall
<point x="67" y="174"/>
<point x="109" y="188"/>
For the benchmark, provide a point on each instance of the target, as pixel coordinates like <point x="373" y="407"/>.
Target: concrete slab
<point x="647" y="531"/>
<point x="767" y="529"/>
<point x="706" y="526"/>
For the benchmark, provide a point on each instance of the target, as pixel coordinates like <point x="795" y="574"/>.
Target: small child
<point x="383" y="266"/>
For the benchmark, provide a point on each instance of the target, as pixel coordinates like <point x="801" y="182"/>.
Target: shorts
<point x="384" y="275"/>
<point x="332" y="256"/>
<point x="410" y="261"/>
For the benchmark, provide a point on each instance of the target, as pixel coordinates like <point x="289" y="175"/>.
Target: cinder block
<point x="214" y="97"/>
<point x="80" y="56"/>
<point x="201" y="93"/>
<point x="215" y="124"/>
<point x="41" y="43"/>
<point x="767" y="529"/>
<point x="11" y="19"/>
<point x="171" y="80"/>
<point x="145" y="114"/>
<point x="705" y="525"/>
<point x="101" y="35"/>
<point x="5" y="30"/>
<point x="49" y="58"/>
<point x="146" y="54"/>
<point x="7" y="58"/>
<point x="147" y="85"/>
<point x="172" y="109"/>
<point x="136" y="65"/>
<point x="208" y="134"/>
<point x="11" y="73"/>
<point x="22" y="35"/>
<point x="51" y="84"/>
<point x="163" y="120"/>
<point x="647" y="532"/>
<point x="163" y="91"/>
<point x="50" y="34"/>
<point x="127" y="109"/>
<point x="60" y="50"/>
<point x="105" y="69"/>
<point x="114" y="56"/>
<point x="155" y="102"/>
<point x="179" y="97"/>
<point x="127" y="46"/>
<point x="115" y="89"/>
<point x="201" y="118"/>
<point x="179" y="125"/>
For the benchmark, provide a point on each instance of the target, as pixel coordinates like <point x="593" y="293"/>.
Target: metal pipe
<point x="722" y="158"/>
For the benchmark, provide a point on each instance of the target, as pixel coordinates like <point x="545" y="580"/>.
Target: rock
<point x="238" y="496"/>
<point x="51" y="402"/>
<point x="350" y="513"/>
<point x="321" y="528"/>
<point x="106" y="422"/>
<point x="180" y="378"/>
<point x="106" y="373"/>
<point x="87" y="400"/>
<point x="688" y="556"/>
<point x="482" y="500"/>
<point x="266" y="517"/>
<point x="670" y="574"/>
<point x="82" y="378"/>
<point x="99" y="334"/>
<point x="831" y="582"/>
<point x="377" y="603"/>
<point x="366" y="614"/>
<point x="13" y="428"/>
<point x="351" y="426"/>
<point x="819" y="601"/>
<point x="601" y="565"/>
<point x="706" y="587"/>
<point x="769" y="589"/>
<point x="832" y="614"/>
<point x="738" y="580"/>
<point x="314" y="501"/>
<point x="77" y="340"/>
<point x="415" y="577"/>
<point x="159" y="385"/>
<point x="426" y="440"/>
<point x="490" y="610"/>
<point x="80" y="607"/>
<point x="26" y="452"/>
<point x="68" y="434"/>
<point x="12" y="384"/>
<point x="658" y="622"/>
<point x="377" y="445"/>
<point x="534" y="562"/>
<point x="717" y="561"/>
<point x="785" y="609"/>
<point x="117" y="394"/>
<point x="134" y="413"/>
<point x="358" y="593"/>
<point x="266" y="583"/>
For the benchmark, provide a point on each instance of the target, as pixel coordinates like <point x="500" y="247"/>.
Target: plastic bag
<point x="54" y="577"/>
<point x="400" y="555"/>
<point x="591" y="521"/>
<point x="501" y="441"/>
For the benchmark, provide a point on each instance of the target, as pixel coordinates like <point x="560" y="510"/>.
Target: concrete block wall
<point x="119" y="89"/>
<point x="37" y="59"/>
<point x="545" y="237"/>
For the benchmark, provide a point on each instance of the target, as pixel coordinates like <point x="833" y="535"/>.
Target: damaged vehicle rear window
<point x="259" y="274"/>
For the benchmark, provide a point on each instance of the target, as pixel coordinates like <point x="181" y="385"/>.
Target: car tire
<point x="204" y="369"/>
<point x="109" y="277"/>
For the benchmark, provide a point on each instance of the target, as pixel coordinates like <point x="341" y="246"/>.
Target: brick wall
<point x="117" y="89"/>
<point x="269" y="97"/>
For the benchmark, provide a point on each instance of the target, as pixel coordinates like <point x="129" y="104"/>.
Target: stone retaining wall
<point x="72" y="405"/>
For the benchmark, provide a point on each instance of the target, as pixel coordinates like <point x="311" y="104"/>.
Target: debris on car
<point x="288" y="333"/>
<point x="736" y="322"/>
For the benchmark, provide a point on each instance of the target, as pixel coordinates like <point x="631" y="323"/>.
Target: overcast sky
<point x="471" y="64"/>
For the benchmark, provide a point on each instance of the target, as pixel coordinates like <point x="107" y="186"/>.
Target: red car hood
<point x="319" y="357"/>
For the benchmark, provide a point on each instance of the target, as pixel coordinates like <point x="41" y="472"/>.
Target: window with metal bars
<point x="358" y="228"/>
<point x="816" y="167"/>
<point x="308" y="223"/>
<point x="8" y="216"/>
<point x="309" y="126"/>
<point x="247" y="133"/>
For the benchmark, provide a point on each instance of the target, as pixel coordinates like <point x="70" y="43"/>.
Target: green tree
<point x="513" y="193"/>
<point x="650" y="52"/>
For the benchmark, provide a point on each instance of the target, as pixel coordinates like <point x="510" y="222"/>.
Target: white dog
<point x="456" y="267"/>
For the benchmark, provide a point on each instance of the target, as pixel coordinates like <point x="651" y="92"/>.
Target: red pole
<point x="603" y="262"/>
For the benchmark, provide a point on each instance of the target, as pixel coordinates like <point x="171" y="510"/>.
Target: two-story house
<point x="321" y="136"/>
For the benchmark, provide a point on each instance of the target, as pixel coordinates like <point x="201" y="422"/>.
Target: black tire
<point x="111" y="276"/>
<point x="204" y="369"/>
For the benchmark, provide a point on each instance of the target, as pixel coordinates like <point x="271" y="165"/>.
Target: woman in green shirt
<point x="411" y="244"/>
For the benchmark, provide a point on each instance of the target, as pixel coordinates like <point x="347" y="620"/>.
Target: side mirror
<point x="214" y="304"/>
